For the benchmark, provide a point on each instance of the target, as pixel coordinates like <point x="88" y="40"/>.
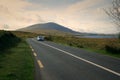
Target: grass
<point x="24" y="35"/>
<point x="104" y="46"/>
<point x="17" y="63"/>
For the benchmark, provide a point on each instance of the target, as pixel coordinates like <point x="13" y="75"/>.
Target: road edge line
<point x="40" y="64"/>
<point x="90" y="62"/>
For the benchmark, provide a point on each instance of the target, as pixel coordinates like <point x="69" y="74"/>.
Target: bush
<point x="119" y="36"/>
<point x="49" y="38"/>
<point x="113" y="46"/>
<point x="7" y="40"/>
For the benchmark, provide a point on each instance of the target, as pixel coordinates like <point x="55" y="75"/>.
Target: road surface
<point x="58" y="62"/>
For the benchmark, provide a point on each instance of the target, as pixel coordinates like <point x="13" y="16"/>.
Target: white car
<point x="40" y="38"/>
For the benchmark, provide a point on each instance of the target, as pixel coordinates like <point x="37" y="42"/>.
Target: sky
<point x="79" y="15"/>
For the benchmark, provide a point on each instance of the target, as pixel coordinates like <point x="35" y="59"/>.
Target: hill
<point x="47" y="28"/>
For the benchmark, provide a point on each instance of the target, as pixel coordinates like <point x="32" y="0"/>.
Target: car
<point x="40" y="38"/>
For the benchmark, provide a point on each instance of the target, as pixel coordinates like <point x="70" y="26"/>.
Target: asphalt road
<point x="58" y="62"/>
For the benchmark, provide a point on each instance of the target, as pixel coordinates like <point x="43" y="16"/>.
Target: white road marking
<point x="97" y="65"/>
<point x="34" y="54"/>
<point x="40" y="64"/>
<point x="38" y="61"/>
<point x="32" y="50"/>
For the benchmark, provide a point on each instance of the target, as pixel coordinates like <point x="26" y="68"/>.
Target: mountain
<point x="47" y="27"/>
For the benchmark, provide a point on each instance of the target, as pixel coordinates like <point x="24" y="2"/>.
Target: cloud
<point x="13" y="14"/>
<point x="80" y="15"/>
<point x="54" y="3"/>
<point x="89" y="16"/>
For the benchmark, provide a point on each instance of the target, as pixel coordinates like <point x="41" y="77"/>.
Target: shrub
<point x="119" y="36"/>
<point x="49" y="38"/>
<point x="113" y="46"/>
<point x="7" y="40"/>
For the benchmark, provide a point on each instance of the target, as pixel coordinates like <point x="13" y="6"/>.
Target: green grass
<point x="17" y="63"/>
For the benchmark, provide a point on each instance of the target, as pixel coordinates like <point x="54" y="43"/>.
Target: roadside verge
<point x="17" y="63"/>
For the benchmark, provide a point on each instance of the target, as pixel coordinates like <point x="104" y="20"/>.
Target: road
<point x="58" y="62"/>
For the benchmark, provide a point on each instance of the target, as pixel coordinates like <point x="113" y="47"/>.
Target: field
<point x="24" y="34"/>
<point x="16" y="61"/>
<point x="105" y="46"/>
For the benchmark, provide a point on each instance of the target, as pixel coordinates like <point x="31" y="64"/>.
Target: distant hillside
<point x="47" y="28"/>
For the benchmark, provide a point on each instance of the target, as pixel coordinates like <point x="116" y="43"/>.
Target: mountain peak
<point x="50" y="26"/>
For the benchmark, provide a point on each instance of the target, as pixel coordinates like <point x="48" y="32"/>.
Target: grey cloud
<point x="54" y="3"/>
